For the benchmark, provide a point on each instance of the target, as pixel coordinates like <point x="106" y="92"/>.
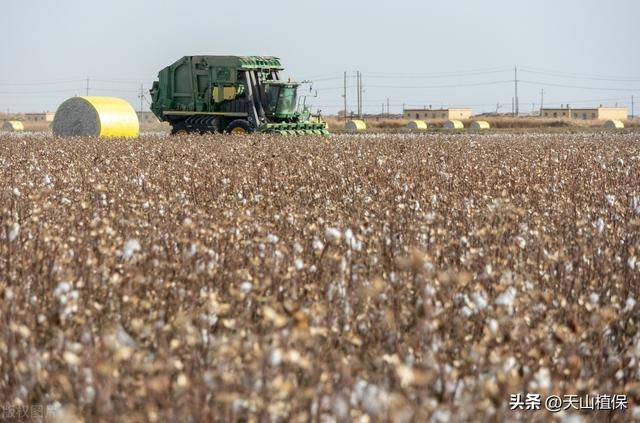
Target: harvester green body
<point x="232" y="94"/>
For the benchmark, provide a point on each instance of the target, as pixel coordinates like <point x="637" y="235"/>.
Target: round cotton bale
<point x="13" y="126"/>
<point x="355" y="126"/>
<point x="479" y="125"/>
<point x="453" y="124"/>
<point x="105" y="117"/>
<point x="613" y="124"/>
<point x="417" y="125"/>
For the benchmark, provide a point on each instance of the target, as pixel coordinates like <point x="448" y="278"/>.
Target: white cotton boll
<point x="466" y="311"/>
<point x="317" y="244"/>
<point x="46" y="180"/>
<point x="298" y="263"/>
<point x="635" y="204"/>
<point x="123" y="337"/>
<point x="272" y="239"/>
<point x="130" y="248"/>
<point x="441" y="416"/>
<point x="522" y="243"/>
<point x="340" y="407"/>
<point x="61" y="289"/>
<point x="275" y="357"/>
<point x="348" y="235"/>
<point x="351" y="240"/>
<point x="191" y="251"/>
<point x="629" y="305"/>
<point x="594" y="298"/>
<point x="600" y="225"/>
<point x="631" y="262"/>
<point x="507" y="297"/>
<point x="479" y="299"/>
<point x="333" y="234"/>
<point x="246" y="287"/>
<point x="541" y="380"/>
<point x="571" y="418"/>
<point x="14" y="231"/>
<point x="493" y="326"/>
<point x="611" y="200"/>
<point x="16" y="192"/>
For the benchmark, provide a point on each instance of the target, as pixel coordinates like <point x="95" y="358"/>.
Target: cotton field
<point x="357" y="277"/>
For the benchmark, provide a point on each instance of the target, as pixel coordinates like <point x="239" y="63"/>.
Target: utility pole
<point x="358" y="93"/>
<point x="632" y="111"/>
<point x="359" y="88"/>
<point x="359" y="99"/>
<point x="541" y="100"/>
<point x="344" y="94"/>
<point x="513" y="106"/>
<point x="388" y="114"/>
<point x="515" y="80"/>
<point x="141" y="97"/>
<point x="87" y="86"/>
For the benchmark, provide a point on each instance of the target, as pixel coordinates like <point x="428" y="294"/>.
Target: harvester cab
<point x="230" y="94"/>
<point x="281" y="99"/>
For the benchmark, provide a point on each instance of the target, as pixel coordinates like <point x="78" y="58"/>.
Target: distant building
<point x="147" y="117"/>
<point x="432" y="114"/>
<point x="597" y="113"/>
<point x="39" y="117"/>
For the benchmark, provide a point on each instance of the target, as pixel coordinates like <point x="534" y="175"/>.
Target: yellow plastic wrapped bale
<point x="105" y="117"/>
<point x="417" y="125"/>
<point x="479" y="125"/>
<point x="453" y="124"/>
<point x="13" y="126"/>
<point x="613" y="124"/>
<point x="355" y="126"/>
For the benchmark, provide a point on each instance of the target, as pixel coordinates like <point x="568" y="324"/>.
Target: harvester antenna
<point x="87" y="86"/>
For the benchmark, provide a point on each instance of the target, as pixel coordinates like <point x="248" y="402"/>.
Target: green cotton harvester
<point x="230" y="94"/>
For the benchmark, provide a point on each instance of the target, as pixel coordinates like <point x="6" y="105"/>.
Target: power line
<point x="578" y="75"/>
<point x="472" y="84"/>
<point x="20" y="93"/>
<point x="67" y="81"/>
<point x="439" y="74"/>
<point x="51" y="82"/>
<point x="587" y="101"/>
<point x="578" y="86"/>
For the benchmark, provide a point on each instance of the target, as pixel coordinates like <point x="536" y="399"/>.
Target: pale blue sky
<point x="49" y="47"/>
